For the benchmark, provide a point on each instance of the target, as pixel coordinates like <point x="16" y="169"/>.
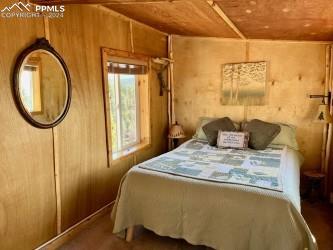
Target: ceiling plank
<point x="220" y="12"/>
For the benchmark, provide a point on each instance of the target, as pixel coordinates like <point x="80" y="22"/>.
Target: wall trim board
<point x="327" y="166"/>
<point x="171" y="81"/>
<point x="170" y="101"/>
<point x="131" y="35"/>
<point x="71" y="232"/>
<point x="253" y="40"/>
<point x="326" y="131"/>
<point x="46" y="27"/>
<point x="57" y="177"/>
<point x="329" y="145"/>
<point x="247" y="51"/>
<point x="123" y="17"/>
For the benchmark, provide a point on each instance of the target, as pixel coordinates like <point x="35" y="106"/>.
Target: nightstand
<point x="314" y="185"/>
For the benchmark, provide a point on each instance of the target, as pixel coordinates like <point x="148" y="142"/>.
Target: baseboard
<point x="71" y="232"/>
<point x="331" y="198"/>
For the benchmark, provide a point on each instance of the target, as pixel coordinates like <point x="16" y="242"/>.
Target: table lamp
<point x="176" y="132"/>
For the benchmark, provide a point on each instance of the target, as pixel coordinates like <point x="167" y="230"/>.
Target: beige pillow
<point x="287" y="136"/>
<point x="200" y="134"/>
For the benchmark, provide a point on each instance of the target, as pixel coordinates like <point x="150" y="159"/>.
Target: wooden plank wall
<point x="28" y="208"/>
<point x="296" y="69"/>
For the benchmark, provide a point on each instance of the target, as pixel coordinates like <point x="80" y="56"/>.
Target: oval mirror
<point x="42" y="85"/>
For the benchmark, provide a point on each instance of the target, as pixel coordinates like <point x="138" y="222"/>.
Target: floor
<point x="319" y="217"/>
<point x="98" y="236"/>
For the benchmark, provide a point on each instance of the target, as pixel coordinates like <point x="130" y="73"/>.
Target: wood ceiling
<point x="252" y="19"/>
<point x="190" y="18"/>
<point x="282" y="19"/>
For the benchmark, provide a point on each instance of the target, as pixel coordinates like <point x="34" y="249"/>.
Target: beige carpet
<point x="98" y="236"/>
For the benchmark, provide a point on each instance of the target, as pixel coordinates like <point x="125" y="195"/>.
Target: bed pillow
<point x="237" y="140"/>
<point x="211" y="129"/>
<point x="287" y="136"/>
<point x="261" y="133"/>
<point x="200" y="134"/>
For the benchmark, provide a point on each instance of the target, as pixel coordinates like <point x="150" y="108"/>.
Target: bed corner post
<point x="129" y="234"/>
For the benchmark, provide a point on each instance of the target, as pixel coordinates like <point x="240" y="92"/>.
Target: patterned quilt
<point x="196" y="159"/>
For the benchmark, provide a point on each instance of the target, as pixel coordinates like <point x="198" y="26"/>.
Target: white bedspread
<point x="220" y="215"/>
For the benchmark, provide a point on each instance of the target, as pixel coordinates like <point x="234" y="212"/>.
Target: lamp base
<point x="175" y="142"/>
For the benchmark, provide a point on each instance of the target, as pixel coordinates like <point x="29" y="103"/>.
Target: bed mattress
<point x="218" y="214"/>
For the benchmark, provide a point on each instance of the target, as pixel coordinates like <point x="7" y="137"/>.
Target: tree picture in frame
<point x="244" y="83"/>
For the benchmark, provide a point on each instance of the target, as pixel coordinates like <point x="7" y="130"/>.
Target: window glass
<point x="128" y="109"/>
<point x="124" y="106"/>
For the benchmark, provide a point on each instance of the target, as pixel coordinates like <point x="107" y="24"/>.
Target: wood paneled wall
<point x="295" y="71"/>
<point x="28" y="204"/>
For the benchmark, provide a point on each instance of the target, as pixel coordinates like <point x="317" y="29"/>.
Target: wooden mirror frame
<point x="40" y="44"/>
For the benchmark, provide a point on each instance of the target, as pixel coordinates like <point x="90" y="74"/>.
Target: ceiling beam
<point x="58" y="2"/>
<point x="225" y="18"/>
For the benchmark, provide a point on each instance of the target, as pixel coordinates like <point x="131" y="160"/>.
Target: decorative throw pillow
<point x="200" y="134"/>
<point x="237" y="140"/>
<point x="287" y="137"/>
<point x="261" y="133"/>
<point x="211" y="129"/>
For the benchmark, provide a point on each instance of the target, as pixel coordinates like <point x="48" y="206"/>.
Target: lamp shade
<point x="176" y="131"/>
<point x="323" y="114"/>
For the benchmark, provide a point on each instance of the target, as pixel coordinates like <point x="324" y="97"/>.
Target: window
<point x="30" y="88"/>
<point x="127" y="102"/>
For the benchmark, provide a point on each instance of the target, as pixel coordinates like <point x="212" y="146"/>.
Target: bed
<point x="222" y="198"/>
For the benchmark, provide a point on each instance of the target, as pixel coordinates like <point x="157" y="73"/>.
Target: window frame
<point x="142" y="142"/>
